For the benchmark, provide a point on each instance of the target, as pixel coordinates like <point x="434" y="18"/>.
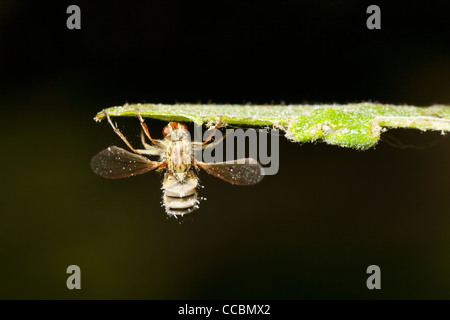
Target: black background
<point x="308" y="232"/>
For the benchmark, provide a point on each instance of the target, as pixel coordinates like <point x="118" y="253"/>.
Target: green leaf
<point x="352" y="125"/>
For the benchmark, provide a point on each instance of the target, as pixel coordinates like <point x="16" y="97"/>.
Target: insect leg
<point x="215" y="143"/>
<point x="150" y="150"/>
<point x="212" y="134"/>
<point x="144" y="126"/>
<point x="147" y="152"/>
<point x="120" y="134"/>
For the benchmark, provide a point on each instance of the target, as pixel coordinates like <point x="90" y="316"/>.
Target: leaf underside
<point x="352" y="125"/>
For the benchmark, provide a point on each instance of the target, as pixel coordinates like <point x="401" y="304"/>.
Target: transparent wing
<point x="246" y="173"/>
<point x="117" y="163"/>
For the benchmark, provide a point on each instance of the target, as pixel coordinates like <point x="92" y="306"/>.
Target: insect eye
<point x="182" y="126"/>
<point x="166" y="131"/>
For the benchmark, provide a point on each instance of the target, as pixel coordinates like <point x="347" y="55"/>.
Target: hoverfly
<point x="176" y="159"/>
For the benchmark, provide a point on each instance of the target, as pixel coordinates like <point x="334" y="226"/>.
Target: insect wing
<point x="244" y="172"/>
<point x="117" y="163"/>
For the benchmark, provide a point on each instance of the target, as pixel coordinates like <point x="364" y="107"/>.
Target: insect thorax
<point x="178" y="155"/>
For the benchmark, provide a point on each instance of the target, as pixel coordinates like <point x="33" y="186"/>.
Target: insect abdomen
<point x="180" y="197"/>
<point x="180" y="206"/>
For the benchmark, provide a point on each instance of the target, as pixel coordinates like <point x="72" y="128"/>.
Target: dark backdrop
<point x="308" y="232"/>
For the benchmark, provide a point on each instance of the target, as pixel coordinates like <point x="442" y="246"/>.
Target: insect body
<point x="176" y="159"/>
<point x="180" y="181"/>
